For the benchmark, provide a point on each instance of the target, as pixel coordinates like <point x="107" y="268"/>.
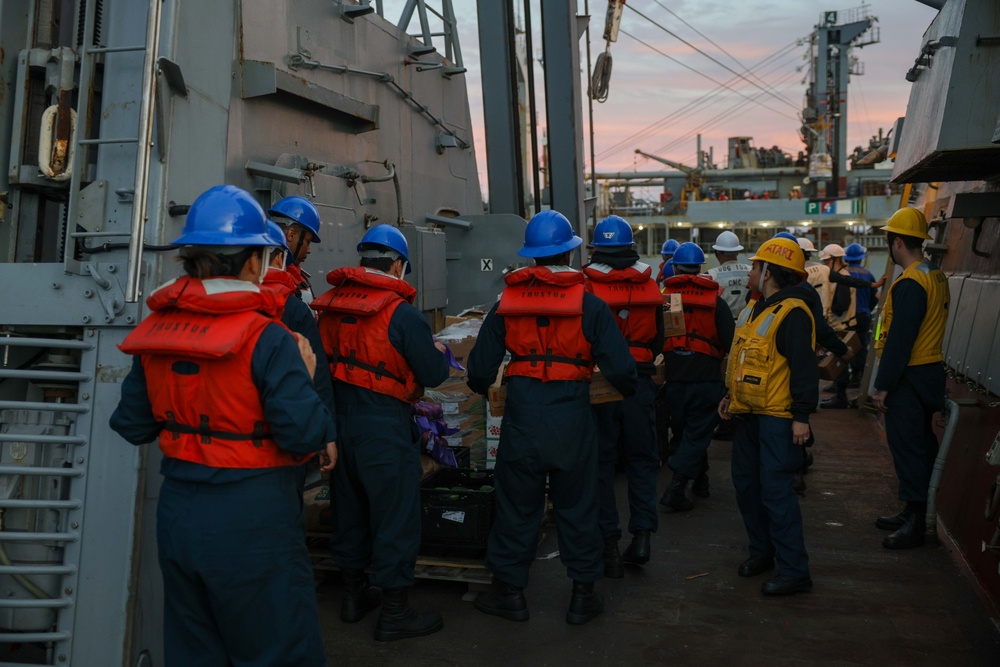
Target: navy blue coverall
<point x="864" y="297"/>
<point x="237" y="579"/>
<point x="548" y="430"/>
<point x="764" y="457"/>
<point x="915" y="394"/>
<point x="376" y="483"/>
<point x="694" y="385"/>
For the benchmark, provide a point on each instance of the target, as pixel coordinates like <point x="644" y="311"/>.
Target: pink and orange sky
<point x="649" y="89"/>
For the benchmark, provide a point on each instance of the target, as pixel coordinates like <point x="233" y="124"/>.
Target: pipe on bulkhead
<point x="951" y="408"/>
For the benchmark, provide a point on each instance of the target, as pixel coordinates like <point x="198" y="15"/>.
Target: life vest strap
<point x="207" y="433"/>
<point x="352" y="362"/>
<point x="548" y="358"/>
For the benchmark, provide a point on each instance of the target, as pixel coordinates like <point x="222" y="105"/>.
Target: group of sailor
<point x="242" y="386"/>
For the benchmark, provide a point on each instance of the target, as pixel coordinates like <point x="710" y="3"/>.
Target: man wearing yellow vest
<point x="909" y="387"/>
<point x="773" y="388"/>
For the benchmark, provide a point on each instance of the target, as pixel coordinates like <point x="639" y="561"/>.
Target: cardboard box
<point x="852" y="340"/>
<point x="831" y="366"/>
<point x="673" y="315"/>
<point x="601" y="391"/>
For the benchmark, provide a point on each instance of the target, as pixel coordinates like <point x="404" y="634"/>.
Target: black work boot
<point x="911" y="533"/>
<point x="674" y="497"/>
<point x="359" y="596"/>
<point x="613" y="568"/>
<point x="893" y="521"/>
<point x="398" y="621"/>
<point x="638" y="550"/>
<point x="505" y="601"/>
<point x="838" y="402"/>
<point x="585" y="605"/>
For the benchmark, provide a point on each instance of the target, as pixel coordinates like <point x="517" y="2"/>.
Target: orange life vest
<point x="542" y="308"/>
<point x="635" y="301"/>
<point x="699" y="296"/>
<point x="354" y="326"/>
<point x="283" y="284"/>
<point x="196" y="347"/>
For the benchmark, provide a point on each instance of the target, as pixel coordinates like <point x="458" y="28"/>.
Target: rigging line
<point x="616" y="147"/>
<point x="714" y="43"/>
<point x="653" y="128"/>
<point x="702" y="74"/>
<point x="722" y="115"/>
<point x="864" y="106"/>
<point x="710" y="57"/>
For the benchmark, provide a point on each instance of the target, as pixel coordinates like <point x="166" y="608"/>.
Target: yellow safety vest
<point x="758" y="375"/>
<point x="927" y="346"/>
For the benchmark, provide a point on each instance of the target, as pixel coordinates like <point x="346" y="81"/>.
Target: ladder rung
<point x="44" y="439"/>
<point x="41" y="504"/>
<point x="34" y="637"/>
<point x="90" y="235"/>
<point x="116" y="49"/>
<point x="38" y="569"/>
<point x="114" y="140"/>
<point x="40" y="472"/>
<point x="11" y="536"/>
<point x="44" y="407"/>
<point x="32" y="603"/>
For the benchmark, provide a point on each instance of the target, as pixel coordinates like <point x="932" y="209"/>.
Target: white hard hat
<point x="806" y="244"/>
<point x="727" y="242"/>
<point x="832" y="250"/>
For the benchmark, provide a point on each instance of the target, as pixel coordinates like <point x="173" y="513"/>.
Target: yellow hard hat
<point x="908" y="222"/>
<point x="782" y="252"/>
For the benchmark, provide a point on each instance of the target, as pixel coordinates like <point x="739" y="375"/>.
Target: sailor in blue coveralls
<point x="382" y="355"/>
<point x="229" y="393"/>
<point x="555" y="332"/>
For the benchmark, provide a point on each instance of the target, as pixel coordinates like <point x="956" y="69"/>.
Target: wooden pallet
<point x="444" y="565"/>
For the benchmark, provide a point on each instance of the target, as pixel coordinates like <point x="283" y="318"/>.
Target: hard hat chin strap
<point x="760" y="280"/>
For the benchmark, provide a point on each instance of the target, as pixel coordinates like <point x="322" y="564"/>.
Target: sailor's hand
<point x="308" y="356"/>
<point x="724" y="407"/>
<point x="850" y="354"/>
<point x="800" y="432"/>
<point x="328" y="459"/>
<point x="879" y="400"/>
<point x="440" y="346"/>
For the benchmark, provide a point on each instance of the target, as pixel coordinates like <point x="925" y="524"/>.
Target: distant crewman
<point x="618" y="278"/>
<point x="666" y="253"/>
<point x="382" y="355"/>
<point x="817" y="274"/>
<point x="772" y="380"/>
<point x="692" y="362"/>
<point x="910" y="384"/>
<point x="730" y="274"/>
<point x="865" y="297"/>
<point x="300" y="220"/>
<point x="555" y="332"/>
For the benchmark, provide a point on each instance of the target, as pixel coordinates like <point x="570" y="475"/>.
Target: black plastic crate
<point x="457" y="517"/>
<point x="462" y="457"/>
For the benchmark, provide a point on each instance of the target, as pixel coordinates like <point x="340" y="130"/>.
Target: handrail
<point x="143" y="150"/>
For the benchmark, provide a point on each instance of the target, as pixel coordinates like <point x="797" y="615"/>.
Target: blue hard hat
<point x="688" y="254"/>
<point x="548" y="233"/>
<point x="612" y="232"/>
<point x="786" y="235"/>
<point x="277" y="234"/>
<point x="301" y="210"/>
<point x="225" y="215"/>
<point x="389" y="237"/>
<point x="855" y="252"/>
<point x="669" y="247"/>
